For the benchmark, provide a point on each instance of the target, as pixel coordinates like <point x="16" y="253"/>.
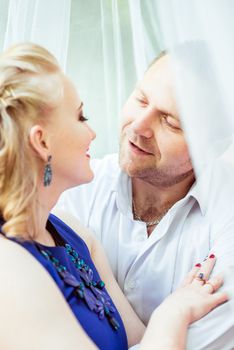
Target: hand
<point x="198" y="294"/>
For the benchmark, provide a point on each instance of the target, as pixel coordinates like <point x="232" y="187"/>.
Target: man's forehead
<point x="157" y="86"/>
<point x="160" y="73"/>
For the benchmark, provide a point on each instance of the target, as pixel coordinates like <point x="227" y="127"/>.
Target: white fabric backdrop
<point x="111" y="44"/>
<point x="3" y="20"/>
<point x="105" y="46"/>
<point x="199" y="35"/>
<point x="43" y="22"/>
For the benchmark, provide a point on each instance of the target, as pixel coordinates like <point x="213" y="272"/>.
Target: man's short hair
<point x="161" y="54"/>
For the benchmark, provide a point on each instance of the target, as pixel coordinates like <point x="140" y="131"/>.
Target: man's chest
<point x="150" y="268"/>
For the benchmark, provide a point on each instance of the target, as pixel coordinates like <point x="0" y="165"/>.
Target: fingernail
<point x="212" y="256"/>
<point x="198" y="265"/>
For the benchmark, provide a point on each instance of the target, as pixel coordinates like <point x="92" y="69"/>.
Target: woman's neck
<point x="47" y="198"/>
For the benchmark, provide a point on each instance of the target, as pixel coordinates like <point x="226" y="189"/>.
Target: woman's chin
<point x="78" y="181"/>
<point x="86" y="179"/>
<point x="89" y="178"/>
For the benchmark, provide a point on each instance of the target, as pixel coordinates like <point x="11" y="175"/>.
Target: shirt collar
<point x="198" y="191"/>
<point x="123" y="189"/>
<point x="201" y="189"/>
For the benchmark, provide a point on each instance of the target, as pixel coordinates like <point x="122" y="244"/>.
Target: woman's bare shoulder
<point x="20" y="271"/>
<point x="12" y="255"/>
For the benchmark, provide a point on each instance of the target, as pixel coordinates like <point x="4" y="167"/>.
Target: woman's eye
<point x="82" y="118"/>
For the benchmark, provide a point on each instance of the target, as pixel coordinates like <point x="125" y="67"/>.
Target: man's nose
<point x="144" y="125"/>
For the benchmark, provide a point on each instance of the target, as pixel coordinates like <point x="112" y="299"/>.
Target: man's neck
<point x="149" y="199"/>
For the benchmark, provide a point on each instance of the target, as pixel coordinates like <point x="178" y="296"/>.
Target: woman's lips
<point x="138" y="150"/>
<point x="87" y="154"/>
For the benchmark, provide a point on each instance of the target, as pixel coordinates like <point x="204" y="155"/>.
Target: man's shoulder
<point x="108" y="166"/>
<point x="106" y="171"/>
<point x="219" y="196"/>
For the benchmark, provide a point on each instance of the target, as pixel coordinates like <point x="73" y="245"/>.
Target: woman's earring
<point x="47" y="172"/>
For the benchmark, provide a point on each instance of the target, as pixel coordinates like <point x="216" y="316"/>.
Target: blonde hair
<point x="29" y="90"/>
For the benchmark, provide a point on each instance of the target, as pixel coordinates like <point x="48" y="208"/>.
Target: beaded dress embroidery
<point x="90" y="291"/>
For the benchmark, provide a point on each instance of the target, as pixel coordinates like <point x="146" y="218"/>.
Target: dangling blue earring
<point x="47" y="172"/>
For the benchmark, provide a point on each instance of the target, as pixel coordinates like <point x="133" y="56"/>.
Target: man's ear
<point x="38" y="140"/>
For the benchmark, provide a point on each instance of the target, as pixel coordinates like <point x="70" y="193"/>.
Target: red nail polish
<point x="212" y="256"/>
<point x="198" y="265"/>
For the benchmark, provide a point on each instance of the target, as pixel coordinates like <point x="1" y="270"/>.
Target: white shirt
<point x="150" y="268"/>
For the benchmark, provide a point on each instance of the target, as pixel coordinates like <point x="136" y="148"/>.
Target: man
<point x="153" y="220"/>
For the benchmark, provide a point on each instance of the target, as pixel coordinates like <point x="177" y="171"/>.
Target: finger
<point x="213" y="284"/>
<point x="191" y="275"/>
<point x="205" y="270"/>
<point x="208" y="266"/>
<point x="218" y="298"/>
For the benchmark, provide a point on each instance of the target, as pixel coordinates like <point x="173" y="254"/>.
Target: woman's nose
<point x="91" y="132"/>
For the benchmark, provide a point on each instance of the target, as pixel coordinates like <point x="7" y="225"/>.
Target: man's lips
<point x="138" y="150"/>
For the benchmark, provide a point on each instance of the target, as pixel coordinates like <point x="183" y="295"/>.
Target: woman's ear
<point x="38" y="140"/>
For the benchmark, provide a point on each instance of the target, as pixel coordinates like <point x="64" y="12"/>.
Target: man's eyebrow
<point x="143" y="94"/>
<point x="140" y="90"/>
<point x="166" y="112"/>
<point x="160" y="109"/>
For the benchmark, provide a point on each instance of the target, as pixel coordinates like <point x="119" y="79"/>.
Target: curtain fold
<point x="111" y="44"/>
<point x="199" y="36"/>
<point x="43" y="22"/>
<point x="4" y="5"/>
<point x="104" y="46"/>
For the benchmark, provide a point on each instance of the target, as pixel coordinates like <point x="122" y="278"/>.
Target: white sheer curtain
<point x="199" y="35"/>
<point x="105" y="46"/>
<point x="111" y="43"/>
<point x="44" y="22"/>
<point x="3" y="20"/>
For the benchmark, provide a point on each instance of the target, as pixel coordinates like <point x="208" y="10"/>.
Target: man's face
<point x="152" y="145"/>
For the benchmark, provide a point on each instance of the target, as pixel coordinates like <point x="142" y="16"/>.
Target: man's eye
<point x="171" y="122"/>
<point x="82" y="118"/>
<point x="142" y="100"/>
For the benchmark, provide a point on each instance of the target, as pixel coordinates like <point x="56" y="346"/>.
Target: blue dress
<point x="99" y="330"/>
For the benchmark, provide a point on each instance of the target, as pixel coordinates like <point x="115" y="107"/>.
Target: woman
<point x="44" y="143"/>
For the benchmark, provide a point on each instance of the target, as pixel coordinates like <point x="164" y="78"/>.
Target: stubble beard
<point x="153" y="174"/>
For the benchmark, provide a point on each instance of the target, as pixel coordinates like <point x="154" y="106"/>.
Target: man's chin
<point x="153" y="174"/>
<point x="136" y="166"/>
<point x="131" y="168"/>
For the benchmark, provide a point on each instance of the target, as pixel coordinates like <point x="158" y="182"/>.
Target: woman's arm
<point x="34" y="314"/>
